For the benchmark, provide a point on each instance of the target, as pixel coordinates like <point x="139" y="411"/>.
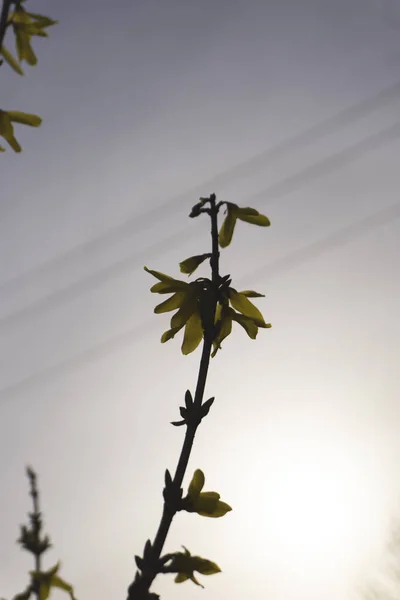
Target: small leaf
<point x="25" y="118"/>
<point x="228" y="226"/>
<point x="193" y="334"/>
<point x="205" y="408"/>
<point x="10" y="60"/>
<point x="189" y="265"/>
<point x="147" y="546"/>
<point x="241" y="303"/>
<point x="167" y="477"/>
<point x="139" y="562"/>
<point x="188" y="399"/>
<point x="251" y="215"/>
<point x="196" y="485"/>
<point x="178" y="423"/>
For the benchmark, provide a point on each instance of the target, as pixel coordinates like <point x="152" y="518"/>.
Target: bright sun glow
<point x="319" y="498"/>
<point x="315" y="506"/>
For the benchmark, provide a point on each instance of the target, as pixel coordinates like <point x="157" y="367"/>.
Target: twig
<point x="5" y="10"/>
<point x="139" y="589"/>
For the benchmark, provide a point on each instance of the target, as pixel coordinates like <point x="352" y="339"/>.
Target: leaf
<point x="196" y="485"/>
<point x="193" y="334"/>
<point x="251" y="215"/>
<point x="188" y="399"/>
<point x="10" y="60"/>
<point x="171" y="304"/>
<point x="189" y="265"/>
<point x="24" y="118"/>
<point x="205" y="408"/>
<point x="252" y="294"/>
<point x="242" y="304"/>
<point x="248" y="324"/>
<point x="228" y="226"/>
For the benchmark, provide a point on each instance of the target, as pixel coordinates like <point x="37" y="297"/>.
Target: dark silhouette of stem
<point x="138" y="590"/>
<point x="36" y="523"/>
<point x="5" y="10"/>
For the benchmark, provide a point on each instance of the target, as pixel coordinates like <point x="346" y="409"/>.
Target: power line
<point x="273" y="269"/>
<point x="142" y="221"/>
<point x="271" y="193"/>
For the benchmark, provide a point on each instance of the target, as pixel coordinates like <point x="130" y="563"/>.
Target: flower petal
<point x="228" y="226"/>
<point x="193" y="334"/>
<point x="242" y="304"/>
<point x="171" y="304"/>
<point x="196" y="485"/>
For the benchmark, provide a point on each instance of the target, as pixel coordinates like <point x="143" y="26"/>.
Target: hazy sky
<point x="144" y="103"/>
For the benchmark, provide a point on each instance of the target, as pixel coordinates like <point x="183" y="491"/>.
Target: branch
<point x="139" y="589"/>
<point x="5" y="10"/>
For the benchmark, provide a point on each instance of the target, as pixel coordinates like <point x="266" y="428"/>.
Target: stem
<point x="5" y="10"/>
<point x="142" y="586"/>
<point x="36" y="523"/>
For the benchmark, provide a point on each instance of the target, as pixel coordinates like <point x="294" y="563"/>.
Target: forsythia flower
<point x="186" y="299"/>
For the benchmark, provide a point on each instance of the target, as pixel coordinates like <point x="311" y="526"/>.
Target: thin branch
<point x="5" y="11"/>
<point x="139" y="589"/>
<point x="36" y="520"/>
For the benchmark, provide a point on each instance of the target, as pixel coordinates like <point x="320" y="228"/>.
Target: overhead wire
<point x="134" y="335"/>
<point x="139" y="222"/>
<point x="273" y="192"/>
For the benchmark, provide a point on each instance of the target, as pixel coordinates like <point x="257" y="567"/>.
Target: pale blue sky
<point x="143" y="101"/>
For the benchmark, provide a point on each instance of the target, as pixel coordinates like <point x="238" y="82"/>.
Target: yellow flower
<point x="206" y="504"/>
<point x="184" y="564"/>
<point x="7" y="118"/>
<point x="235" y="212"/>
<point x="187" y="299"/>
<point x="184" y="299"/>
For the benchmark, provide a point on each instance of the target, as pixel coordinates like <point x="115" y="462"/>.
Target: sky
<point x="147" y="106"/>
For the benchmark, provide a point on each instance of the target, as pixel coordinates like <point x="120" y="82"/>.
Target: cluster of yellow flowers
<point x="24" y="25"/>
<point x="230" y="305"/>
